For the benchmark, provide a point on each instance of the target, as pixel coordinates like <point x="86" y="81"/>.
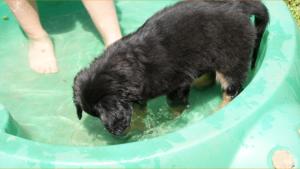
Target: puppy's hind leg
<point x="178" y="100"/>
<point x="231" y="85"/>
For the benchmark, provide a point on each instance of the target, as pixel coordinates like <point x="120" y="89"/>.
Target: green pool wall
<point x="264" y="118"/>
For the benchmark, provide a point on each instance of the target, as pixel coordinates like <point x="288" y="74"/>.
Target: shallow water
<point x="41" y="105"/>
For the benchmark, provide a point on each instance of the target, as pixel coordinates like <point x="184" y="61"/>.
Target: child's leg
<point x="41" y="51"/>
<point x="104" y="16"/>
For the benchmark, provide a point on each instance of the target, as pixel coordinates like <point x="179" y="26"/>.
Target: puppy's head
<point x="115" y="115"/>
<point x="99" y="94"/>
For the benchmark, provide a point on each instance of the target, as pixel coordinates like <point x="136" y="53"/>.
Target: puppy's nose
<point x="120" y="131"/>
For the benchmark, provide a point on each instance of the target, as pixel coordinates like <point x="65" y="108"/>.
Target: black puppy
<point x="165" y="55"/>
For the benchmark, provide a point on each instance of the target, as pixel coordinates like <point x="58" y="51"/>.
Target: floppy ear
<point x="79" y="111"/>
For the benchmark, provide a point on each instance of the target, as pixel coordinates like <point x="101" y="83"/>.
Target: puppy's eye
<point x="95" y="113"/>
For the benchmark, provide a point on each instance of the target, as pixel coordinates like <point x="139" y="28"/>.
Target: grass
<point x="294" y="6"/>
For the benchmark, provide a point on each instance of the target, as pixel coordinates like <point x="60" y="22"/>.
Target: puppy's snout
<point x="119" y="128"/>
<point x="121" y="132"/>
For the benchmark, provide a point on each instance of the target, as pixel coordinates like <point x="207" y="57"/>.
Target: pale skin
<point x="41" y="54"/>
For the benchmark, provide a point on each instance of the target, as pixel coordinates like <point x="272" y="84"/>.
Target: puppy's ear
<point x="79" y="111"/>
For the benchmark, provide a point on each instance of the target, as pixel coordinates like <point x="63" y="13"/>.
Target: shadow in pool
<point x="59" y="16"/>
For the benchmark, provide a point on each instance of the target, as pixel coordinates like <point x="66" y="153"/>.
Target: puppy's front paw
<point x="177" y="110"/>
<point x="226" y="100"/>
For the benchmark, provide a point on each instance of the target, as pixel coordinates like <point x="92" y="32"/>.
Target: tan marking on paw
<point x="225" y="101"/>
<point x="221" y="79"/>
<point x="177" y="110"/>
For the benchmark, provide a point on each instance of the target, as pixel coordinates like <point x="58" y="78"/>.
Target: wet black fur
<point x="164" y="56"/>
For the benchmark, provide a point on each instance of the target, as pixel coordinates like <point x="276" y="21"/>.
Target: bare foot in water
<point x="41" y="55"/>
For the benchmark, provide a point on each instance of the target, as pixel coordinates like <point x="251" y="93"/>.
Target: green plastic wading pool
<point x="39" y="127"/>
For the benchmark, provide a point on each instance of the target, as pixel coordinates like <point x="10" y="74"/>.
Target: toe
<point x="39" y="70"/>
<point x="43" y="70"/>
<point x="35" y="68"/>
<point x="47" y="70"/>
<point x="53" y="68"/>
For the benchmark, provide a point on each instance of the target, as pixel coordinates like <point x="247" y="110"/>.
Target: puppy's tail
<point x="260" y="11"/>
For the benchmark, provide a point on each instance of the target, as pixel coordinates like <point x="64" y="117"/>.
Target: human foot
<point x="41" y="55"/>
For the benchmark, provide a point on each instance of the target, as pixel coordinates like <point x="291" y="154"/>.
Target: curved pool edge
<point x="216" y="144"/>
<point x="4" y="118"/>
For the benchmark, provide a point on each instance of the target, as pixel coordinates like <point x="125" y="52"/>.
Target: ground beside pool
<point x="294" y="6"/>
